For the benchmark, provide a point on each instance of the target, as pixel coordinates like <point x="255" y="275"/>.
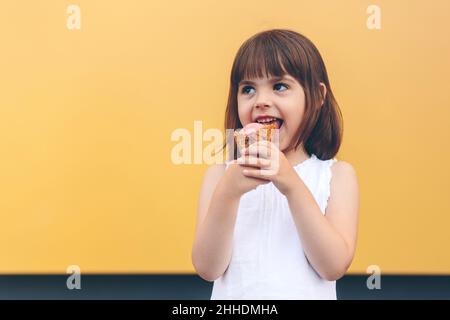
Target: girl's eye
<point x="280" y="85"/>
<point x="246" y="89"/>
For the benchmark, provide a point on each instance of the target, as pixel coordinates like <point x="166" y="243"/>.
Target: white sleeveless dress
<point x="268" y="261"/>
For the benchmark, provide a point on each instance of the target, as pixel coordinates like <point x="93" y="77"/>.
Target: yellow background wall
<point x="86" y="117"/>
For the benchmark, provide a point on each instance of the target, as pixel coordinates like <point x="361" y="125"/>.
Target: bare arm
<point x="216" y="217"/>
<point x="329" y="241"/>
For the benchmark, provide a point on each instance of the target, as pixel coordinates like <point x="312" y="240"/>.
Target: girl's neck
<point x="296" y="156"/>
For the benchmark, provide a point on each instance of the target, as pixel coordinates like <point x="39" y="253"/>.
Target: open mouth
<point x="269" y="121"/>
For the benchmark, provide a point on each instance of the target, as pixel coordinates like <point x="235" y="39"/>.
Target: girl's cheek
<point x="247" y="115"/>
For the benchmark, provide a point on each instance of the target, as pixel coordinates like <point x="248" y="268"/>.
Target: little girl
<point x="284" y="230"/>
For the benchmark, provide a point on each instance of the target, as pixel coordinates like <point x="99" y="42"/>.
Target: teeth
<point x="266" y="120"/>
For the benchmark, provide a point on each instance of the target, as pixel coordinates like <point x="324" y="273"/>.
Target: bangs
<point x="261" y="57"/>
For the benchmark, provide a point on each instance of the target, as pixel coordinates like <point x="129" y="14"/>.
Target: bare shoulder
<point x="220" y="167"/>
<point x="344" y="193"/>
<point x="210" y="179"/>
<point x="215" y="172"/>
<point x="343" y="169"/>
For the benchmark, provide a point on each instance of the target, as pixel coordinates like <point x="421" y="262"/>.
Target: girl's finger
<point x="258" y="150"/>
<point x="254" y="162"/>
<point x="259" y="173"/>
<point x="257" y="144"/>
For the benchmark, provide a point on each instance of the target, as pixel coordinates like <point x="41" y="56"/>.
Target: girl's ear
<point x="323" y="88"/>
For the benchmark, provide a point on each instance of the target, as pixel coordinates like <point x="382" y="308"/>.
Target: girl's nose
<point x="262" y="105"/>
<point x="263" y="100"/>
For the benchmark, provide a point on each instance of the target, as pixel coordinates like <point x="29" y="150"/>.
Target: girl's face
<point x="282" y="98"/>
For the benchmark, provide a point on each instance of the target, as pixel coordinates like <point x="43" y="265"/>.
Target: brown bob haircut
<point x="278" y="52"/>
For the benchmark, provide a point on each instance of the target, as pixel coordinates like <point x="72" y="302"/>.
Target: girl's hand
<point x="237" y="183"/>
<point x="263" y="160"/>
